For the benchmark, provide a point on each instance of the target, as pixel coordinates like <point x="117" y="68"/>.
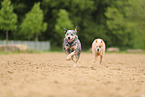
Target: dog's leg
<point x="95" y="59"/>
<point x="67" y="53"/>
<point x="101" y="58"/>
<point x="75" y="64"/>
<point x="75" y="59"/>
<point x="67" y="50"/>
<point x="69" y="57"/>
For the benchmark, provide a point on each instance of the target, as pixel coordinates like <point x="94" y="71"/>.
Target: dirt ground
<point x="50" y="75"/>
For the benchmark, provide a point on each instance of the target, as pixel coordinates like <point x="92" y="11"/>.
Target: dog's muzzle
<point x="69" y="39"/>
<point x="98" y="50"/>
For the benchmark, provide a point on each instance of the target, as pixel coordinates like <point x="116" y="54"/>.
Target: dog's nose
<point x="98" y="50"/>
<point x="68" y="37"/>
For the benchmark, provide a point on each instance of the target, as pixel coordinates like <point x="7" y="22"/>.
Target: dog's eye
<point x="99" y="46"/>
<point x="72" y="35"/>
<point x="67" y="34"/>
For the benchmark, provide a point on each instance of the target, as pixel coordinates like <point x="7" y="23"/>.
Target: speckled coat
<point x="75" y="45"/>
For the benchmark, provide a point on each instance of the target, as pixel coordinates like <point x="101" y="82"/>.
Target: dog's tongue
<point x="69" y="40"/>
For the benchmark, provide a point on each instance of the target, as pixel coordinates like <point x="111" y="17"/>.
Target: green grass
<point x="19" y="52"/>
<point x="59" y="49"/>
<point x="124" y="51"/>
<point x="55" y="49"/>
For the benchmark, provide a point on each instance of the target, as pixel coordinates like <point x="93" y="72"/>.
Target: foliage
<point x="125" y="23"/>
<point x="63" y="21"/>
<point x="120" y="23"/>
<point x="8" y="18"/>
<point x="138" y="17"/>
<point x="33" y="22"/>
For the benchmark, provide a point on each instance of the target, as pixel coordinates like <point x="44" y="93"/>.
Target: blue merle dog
<point x="72" y="45"/>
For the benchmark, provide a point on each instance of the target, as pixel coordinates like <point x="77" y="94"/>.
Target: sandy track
<point x="49" y="75"/>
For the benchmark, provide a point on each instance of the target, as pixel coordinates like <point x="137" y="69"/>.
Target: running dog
<point x="98" y="49"/>
<point x="72" y="45"/>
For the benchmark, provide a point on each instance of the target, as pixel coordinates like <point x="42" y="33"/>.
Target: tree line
<point x="120" y="23"/>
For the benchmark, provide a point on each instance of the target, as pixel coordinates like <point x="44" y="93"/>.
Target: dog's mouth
<point x="70" y="40"/>
<point x="97" y="50"/>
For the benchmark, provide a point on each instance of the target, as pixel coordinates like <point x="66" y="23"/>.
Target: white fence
<point x="41" y="45"/>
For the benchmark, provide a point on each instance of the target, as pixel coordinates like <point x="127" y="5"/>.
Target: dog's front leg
<point x="101" y="58"/>
<point x="95" y="60"/>
<point x="67" y="53"/>
<point x="75" y="59"/>
<point x="75" y="64"/>
<point x="67" y="50"/>
<point x="69" y="57"/>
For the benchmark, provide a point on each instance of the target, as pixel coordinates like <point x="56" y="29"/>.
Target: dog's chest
<point x="99" y="53"/>
<point x="71" y="45"/>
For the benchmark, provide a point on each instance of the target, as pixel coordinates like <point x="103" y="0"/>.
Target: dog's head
<point x="99" y="45"/>
<point x="70" y="35"/>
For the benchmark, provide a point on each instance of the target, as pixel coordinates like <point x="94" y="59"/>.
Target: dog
<point x="72" y="45"/>
<point x="98" y="49"/>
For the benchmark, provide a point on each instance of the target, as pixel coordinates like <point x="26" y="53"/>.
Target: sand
<point x="50" y="75"/>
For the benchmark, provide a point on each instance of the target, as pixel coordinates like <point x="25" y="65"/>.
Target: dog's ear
<point x="101" y="41"/>
<point x="76" y="29"/>
<point x="96" y="40"/>
<point x="65" y="30"/>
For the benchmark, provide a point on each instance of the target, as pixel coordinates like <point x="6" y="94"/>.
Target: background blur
<point x="120" y="23"/>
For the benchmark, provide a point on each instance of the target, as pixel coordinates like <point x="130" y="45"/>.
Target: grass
<point x="19" y="52"/>
<point x="55" y="49"/>
<point x="59" y="49"/>
<point x="124" y="51"/>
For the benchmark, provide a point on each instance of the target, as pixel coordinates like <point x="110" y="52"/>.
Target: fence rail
<point x="41" y="45"/>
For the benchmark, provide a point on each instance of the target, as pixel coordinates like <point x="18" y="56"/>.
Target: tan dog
<point x="98" y="49"/>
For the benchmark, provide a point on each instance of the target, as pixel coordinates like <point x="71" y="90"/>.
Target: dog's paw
<point x="75" y="64"/>
<point x="68" y="58"/>
<point x="94" y="61"/>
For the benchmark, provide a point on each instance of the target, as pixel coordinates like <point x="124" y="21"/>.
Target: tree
<point x="63" y="21"/>
<point x="138" y="17"/>
<point x="8" y="18"/>
<point x="119" y="23"/>
<point x="126" y="23"/>
<point x="33" y="23"/>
